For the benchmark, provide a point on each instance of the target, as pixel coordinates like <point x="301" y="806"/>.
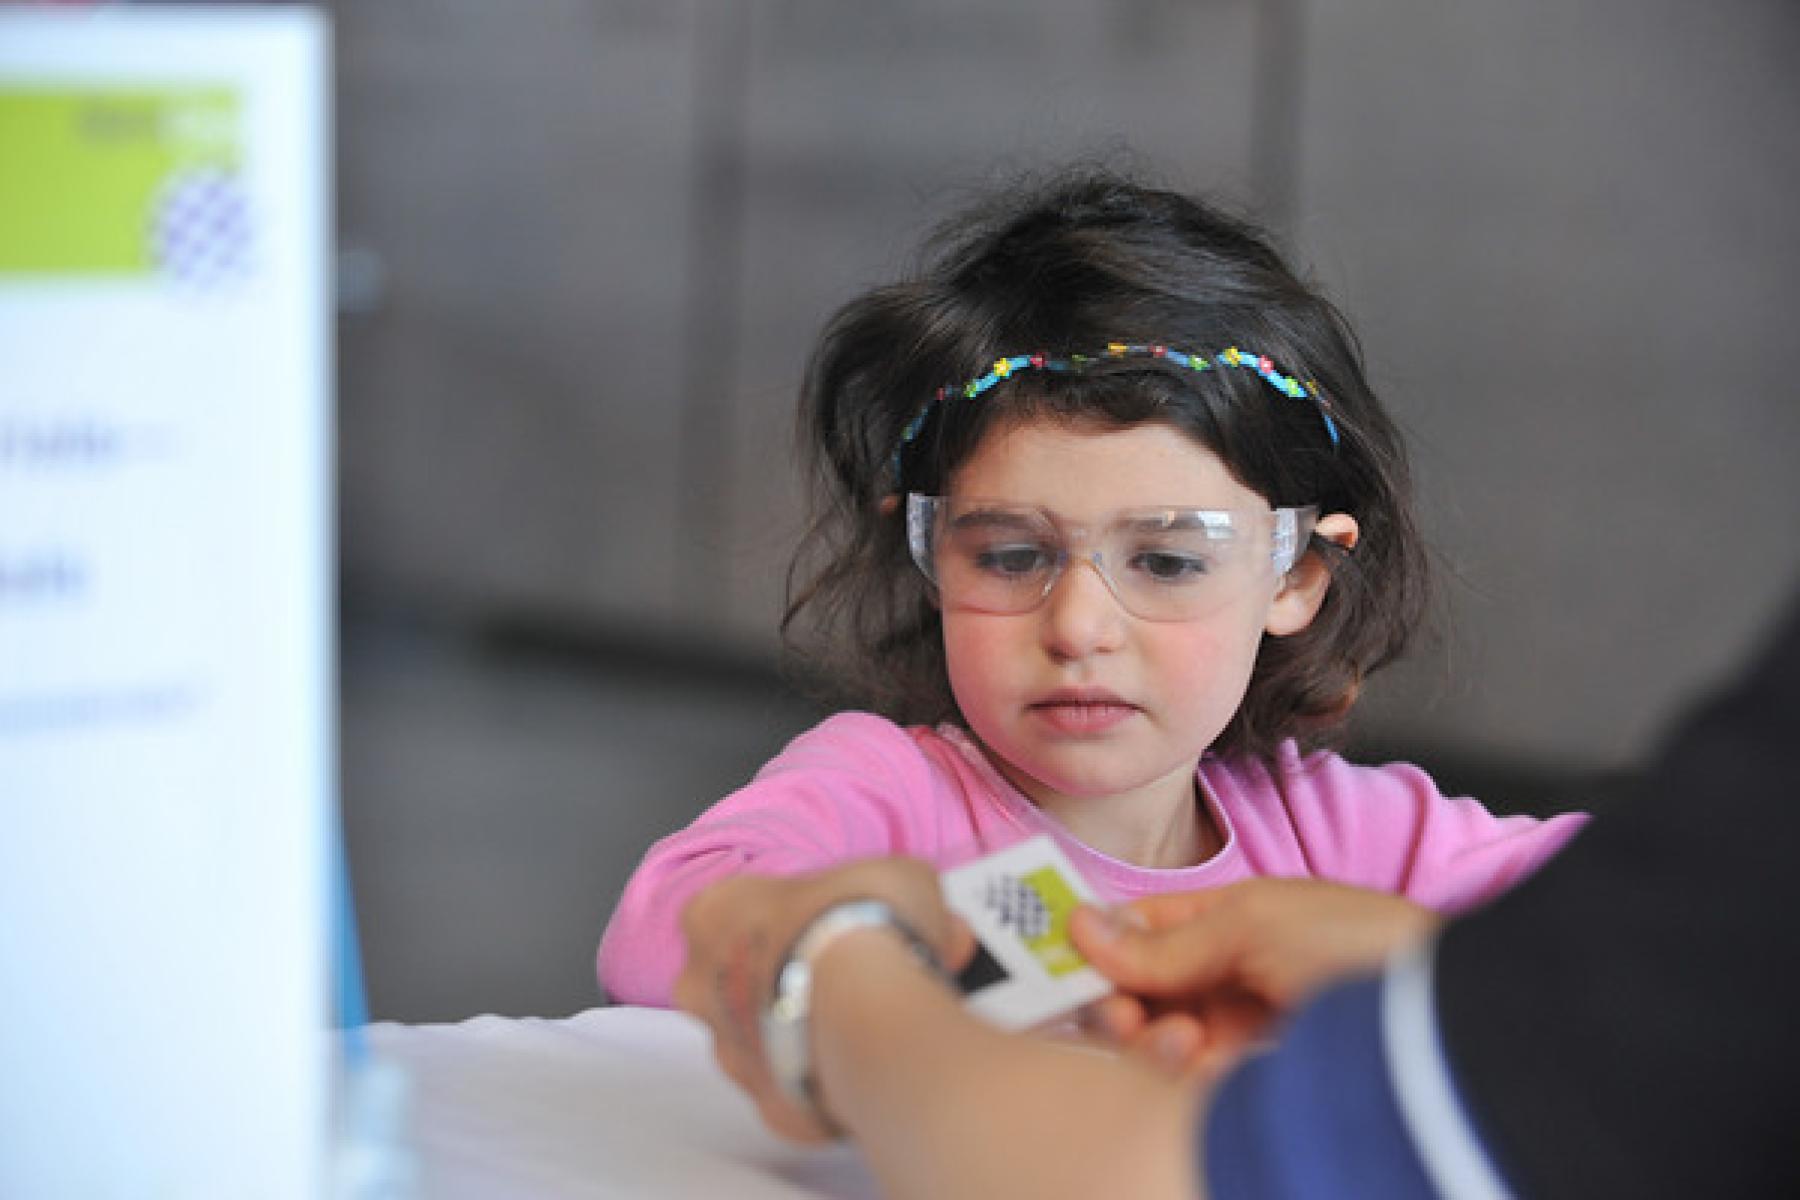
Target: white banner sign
<point x="166" y="749"/>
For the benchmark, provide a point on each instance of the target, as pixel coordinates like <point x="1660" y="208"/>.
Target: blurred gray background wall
<point x="586" y="244"/>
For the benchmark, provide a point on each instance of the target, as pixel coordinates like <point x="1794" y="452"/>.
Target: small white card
<point x="1025" y="971"/>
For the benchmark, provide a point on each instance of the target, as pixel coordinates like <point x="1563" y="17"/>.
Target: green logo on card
<point x="122" y="181"/>
<point x="1052" y="946"/>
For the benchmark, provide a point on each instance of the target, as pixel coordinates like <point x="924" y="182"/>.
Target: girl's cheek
<point x="976" y="638"/>
<point x="967" y="654"/>
<point x="1204" y="650"/>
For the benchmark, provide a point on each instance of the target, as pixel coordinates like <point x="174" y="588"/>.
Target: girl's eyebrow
<point x="995" y="517"/>
<point x="1135" y="520"/>
<point x="1152" y="521"/>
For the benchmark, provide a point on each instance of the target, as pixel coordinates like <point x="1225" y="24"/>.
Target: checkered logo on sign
<point x="1018" y="906"/>
<point x="200" y="227"/>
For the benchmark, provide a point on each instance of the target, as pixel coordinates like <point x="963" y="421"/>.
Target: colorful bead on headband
<point x="1004" y="368"/>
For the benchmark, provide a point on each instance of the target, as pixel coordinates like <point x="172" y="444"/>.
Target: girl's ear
<point x="1303" y="588"/>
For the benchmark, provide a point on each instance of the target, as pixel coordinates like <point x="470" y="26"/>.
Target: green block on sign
<point x="83" y="170"/>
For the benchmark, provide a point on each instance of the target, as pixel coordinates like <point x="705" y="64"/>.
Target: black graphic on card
<point x="982" y="970"/>
<point x="1018" y="906"/>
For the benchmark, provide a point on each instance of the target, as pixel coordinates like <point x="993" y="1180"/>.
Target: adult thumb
<point x="1116" y="942"/>
<point x="1139" y="959"/>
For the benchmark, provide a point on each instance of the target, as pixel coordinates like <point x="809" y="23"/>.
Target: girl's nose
<point x="1081" y="616"/>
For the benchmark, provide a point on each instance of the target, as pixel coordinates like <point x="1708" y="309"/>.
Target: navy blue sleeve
<point x="1317" y="1116"/>
<point x="1620" y="1024"/>
<point x="1623" y="1023"/>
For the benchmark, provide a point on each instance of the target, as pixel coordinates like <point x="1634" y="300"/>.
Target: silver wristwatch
<point x="785" y="1036"/>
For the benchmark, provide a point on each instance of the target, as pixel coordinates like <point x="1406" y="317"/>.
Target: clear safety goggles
<point x="1161" y="564"/>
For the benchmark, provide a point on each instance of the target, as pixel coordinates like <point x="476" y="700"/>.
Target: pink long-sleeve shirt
<point x="857" y="786"/>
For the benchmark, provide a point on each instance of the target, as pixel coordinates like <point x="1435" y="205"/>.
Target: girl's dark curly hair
<point x="1066" y="267"/>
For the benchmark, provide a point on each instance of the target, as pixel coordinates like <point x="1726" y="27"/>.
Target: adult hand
<point x="739" y="930"/>
<point x="1204" y="975"/>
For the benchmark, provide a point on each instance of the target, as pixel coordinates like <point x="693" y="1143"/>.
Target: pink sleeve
<point x="1390" y="828"/>
<point x="853" y="787"/>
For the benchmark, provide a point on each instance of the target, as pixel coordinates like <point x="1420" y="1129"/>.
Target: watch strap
<point x="785" y="1026"/>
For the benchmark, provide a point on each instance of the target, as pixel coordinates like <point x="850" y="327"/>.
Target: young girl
<point x="1111" y="525"/>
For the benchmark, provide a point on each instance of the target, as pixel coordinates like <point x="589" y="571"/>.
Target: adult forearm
<point x="944" y="1105"/>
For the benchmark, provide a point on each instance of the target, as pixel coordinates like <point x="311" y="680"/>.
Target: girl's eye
<point x="1013" y="560"/>
<point x="1168" y="566"/>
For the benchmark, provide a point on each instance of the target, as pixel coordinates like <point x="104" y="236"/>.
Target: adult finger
<point x="1115" y="1018"/>
<point x="1172" y="1044"/>
<point x="960" y="946"/>
<point x="789" y="1122"/>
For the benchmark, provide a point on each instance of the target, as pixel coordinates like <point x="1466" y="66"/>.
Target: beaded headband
<point x="1004" y="368"/>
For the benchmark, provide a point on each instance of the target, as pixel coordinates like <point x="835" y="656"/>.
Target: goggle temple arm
<point x="918" y="531"/>
<point x="1293" y="529"/>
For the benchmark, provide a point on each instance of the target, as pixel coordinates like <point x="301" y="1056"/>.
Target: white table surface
<point x="610" y="1102"/>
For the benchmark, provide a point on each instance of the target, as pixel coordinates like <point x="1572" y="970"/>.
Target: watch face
<point x="784" y="1046"/>
<point x="783" y="1020"/>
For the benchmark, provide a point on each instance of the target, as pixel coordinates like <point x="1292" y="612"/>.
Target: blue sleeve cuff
<point x="1317" y="1116"/>
<point x="1356" y="1100"/>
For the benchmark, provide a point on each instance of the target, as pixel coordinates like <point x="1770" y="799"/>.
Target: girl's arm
<point x="854" y="787"/>
<point x="1391" y="829"/>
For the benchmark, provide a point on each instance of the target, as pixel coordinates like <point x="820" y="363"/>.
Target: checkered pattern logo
<point x="200" y="227"/>
<point x="1018" y="906"/>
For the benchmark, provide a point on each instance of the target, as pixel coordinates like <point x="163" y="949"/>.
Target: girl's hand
<point x="739" y="930"/>
<point x="1203" y="976"/>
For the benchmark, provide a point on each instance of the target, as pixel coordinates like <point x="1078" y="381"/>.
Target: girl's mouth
<point x="1082" y="712"/>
